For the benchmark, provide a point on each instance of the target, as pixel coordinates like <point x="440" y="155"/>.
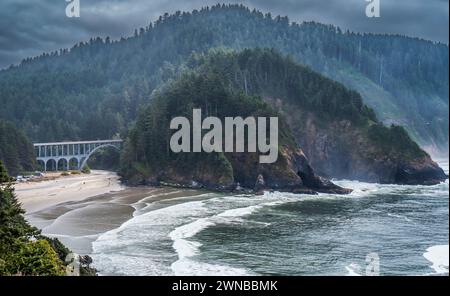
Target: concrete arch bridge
<point x="70" y="155"/>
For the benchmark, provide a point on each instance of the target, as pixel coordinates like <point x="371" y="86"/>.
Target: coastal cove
<point x="207" y="141"/>
<point x="172" y="231"/>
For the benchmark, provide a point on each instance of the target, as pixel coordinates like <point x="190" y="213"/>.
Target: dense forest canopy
<point x="265" y="72"/>
<point x="147" y="151"/>
<point x="94" y="89"/>
<point x="262" y="82"/>
<point x="280" y="80"/>
<point x="227" y="84"/>
<point x="16" y="151"/>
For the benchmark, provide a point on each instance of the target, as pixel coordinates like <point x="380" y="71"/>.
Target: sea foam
<point x="438" y="256"/>
<point x="187" y="249"/>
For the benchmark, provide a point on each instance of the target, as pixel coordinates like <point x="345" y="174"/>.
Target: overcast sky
<point x="30" y="27"/>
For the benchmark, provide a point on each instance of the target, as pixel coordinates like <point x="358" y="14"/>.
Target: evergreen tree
<point x="16" y="151"/>
<point x="13" y="225"/>
<point x="20" y="252"/>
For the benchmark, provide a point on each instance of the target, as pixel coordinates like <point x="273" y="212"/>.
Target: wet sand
<point x="79" y="209"/>
<point x="78" y="223"/>
<point x="36" y="196"/>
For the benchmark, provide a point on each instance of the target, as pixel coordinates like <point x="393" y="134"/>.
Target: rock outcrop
<point x="341" y="150"/>
<point x="291" y="173"/>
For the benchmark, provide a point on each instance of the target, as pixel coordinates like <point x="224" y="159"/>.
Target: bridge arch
<point x="51" y="164"/>
<point x="84" y="162"/>
<point x="62" y="164"/>
<point x="74" y="163"/>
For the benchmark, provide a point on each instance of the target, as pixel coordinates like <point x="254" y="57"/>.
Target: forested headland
<point x="95" y="89"/>
<point x="341" y="136"/>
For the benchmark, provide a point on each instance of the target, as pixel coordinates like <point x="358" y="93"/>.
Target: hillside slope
<point x="95" y="89"/>
<point x="16" y="151"/>
<point x="148" y="159"/>
<point x="340" y="136"/>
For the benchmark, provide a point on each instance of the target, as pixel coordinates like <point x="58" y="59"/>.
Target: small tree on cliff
<point x="4" y="177"/>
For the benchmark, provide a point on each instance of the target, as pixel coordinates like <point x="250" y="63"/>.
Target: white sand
<point x="36" y="196"/>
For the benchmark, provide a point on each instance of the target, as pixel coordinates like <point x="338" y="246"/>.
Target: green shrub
<point x="86" y="170"/>
<point x="61" y="250"/>
<point x="33" y="258"/>
<point x="19" y="253"/>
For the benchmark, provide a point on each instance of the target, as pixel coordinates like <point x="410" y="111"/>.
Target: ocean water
<point x="405" y="227"/>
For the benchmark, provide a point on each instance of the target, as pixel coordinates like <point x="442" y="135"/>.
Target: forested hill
<point x="16" y="151"/>
<point x="340" y="136"/>
<point x="94" y="89"/>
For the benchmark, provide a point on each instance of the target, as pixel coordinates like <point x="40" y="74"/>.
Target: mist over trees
<point x="94" y="90"/>
<point x="228" y="84"/>
<point x="262" y="82"/>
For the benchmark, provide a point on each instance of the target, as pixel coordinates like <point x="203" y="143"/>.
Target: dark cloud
<point x="29" y="27"/>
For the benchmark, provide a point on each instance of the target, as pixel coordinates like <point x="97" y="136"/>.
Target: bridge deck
<point x="77" y="142"/>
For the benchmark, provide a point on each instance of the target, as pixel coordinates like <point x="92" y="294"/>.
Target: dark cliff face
<point x="290" y="173"/>
<point x="424" y="171"/>
<point x="341" y="137"/>
<point x="340" y="150"/>
<point x="148" y="159"/>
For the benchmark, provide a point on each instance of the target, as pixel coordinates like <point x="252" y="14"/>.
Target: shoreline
<point x="35" y="196"/>
<point x="48" y="200"/>
<point x="81" y="221"/>
<point x="78" y="209"/>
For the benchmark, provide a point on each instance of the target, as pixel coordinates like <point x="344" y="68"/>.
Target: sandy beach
<point x="36" y="196"/>
<point x="49" y="204"/>
<point x="77" y="209"/>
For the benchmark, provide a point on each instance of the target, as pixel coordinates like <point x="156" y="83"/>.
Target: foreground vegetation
<point x="23" y="250"/>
